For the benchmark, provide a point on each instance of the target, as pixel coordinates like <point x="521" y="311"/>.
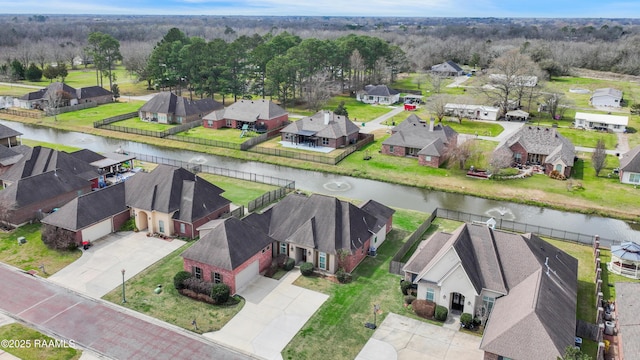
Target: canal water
<point x="390" y="194"/>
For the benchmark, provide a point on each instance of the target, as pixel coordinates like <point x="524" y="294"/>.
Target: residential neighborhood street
<point x="106" y="329"/>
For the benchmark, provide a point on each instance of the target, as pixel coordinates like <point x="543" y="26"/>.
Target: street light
<point x="124" y="299"/>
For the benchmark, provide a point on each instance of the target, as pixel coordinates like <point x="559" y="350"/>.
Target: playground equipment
<point x="245" y="128"/>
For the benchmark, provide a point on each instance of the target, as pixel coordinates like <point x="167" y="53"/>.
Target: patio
<point x="306" y="146"/>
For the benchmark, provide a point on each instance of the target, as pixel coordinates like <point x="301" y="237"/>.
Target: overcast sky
<point x="417" y="8"/>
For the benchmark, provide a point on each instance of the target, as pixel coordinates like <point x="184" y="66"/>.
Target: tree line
<point x="282" y="65"/>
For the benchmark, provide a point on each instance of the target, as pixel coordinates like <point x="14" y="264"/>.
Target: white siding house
<point x="607" y="97"/>
<point x="477" y="112"/>
<point x="614" y="123"/>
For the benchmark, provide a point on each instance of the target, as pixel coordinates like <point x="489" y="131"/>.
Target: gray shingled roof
<point x="87" y="155"/>
<point x="227" y="243"/>
<point x="446" y="66"/>
<point x="337" y="127"/>
<point x="42" y="159"/>
<point x="414" y="132"/>
<point x="89" y="208"/>
<point x="628" y="308"/>
<point x="52" y="88"/>
<point x="170" y="103"/>
<point x="382" y="212"/>
<point x="318" y="221"/>
<point x="630" y="161"/>
<point x="171" y="189"/>
<point x="425" y="252"/>
<point x="92" y="91"/>
<point x="607" y="92"/>
<point x="40" y="187"/>
<point x="379" y="90"/>
<point x="7" y="132"/>
<point x="544" y="141"/>
<point x="252" y="110"/>
<point x="9" y="156"/>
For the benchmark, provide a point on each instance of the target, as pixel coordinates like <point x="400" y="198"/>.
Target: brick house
<point x="229" y="251"/>
<point x="92" y="215"/>
<point x="68" y="95"/>
<point x="536" y="145"/>
<point x="169" y="108"/>
<point x="378" y="94"/>
<point x="260" y="115"/>
<point x="171" y="200"/>
<point x="415" y="138"/>
<point x="323" y="230"/>
<point x="324" y="128"/>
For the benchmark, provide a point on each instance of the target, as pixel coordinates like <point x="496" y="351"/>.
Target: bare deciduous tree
<point x="318" y="90"/>
<point x="462" y="152"/>
<point x="599" y="157"/>
<point x="436" y="105"/>
<point x="500" y="159"/>
<point x="357" y="70"/>
<point x="436" y="81"/>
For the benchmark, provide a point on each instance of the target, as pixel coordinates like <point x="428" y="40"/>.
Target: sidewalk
<point x="376" y="124"/>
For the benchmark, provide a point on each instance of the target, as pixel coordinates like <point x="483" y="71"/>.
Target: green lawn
<point x="170" y="306"/>
<point x="358" y="111"/>
<point x="475" y="127"/>
<point x="28" y="336"/>
<point x="588" y="138"/>
<point x="59" y="147"/>
<point x="85" y="118"/>
<point x="340" y="320"/>
<point x="136" y="123"/>
<point x="240" y="192"/>
<point x="223" y="134"/>
<point x="15" y="91"/>
<point x="34" y="253"/>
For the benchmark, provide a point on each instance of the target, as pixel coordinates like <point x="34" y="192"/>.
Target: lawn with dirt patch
<point x="33" y="345"/>
<point x="34" y="253"/>
<point x="169" y="305"/>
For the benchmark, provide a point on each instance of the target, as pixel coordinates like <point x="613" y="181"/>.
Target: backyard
<point x="86" y="117"/>
<point x="240" y="192"/>
<point x="222" y="134"/>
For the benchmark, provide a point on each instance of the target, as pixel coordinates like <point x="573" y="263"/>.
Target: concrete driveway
<point x="98" y="271"/>
<point x="275" y="310"/>
<point x="402" y="338"/>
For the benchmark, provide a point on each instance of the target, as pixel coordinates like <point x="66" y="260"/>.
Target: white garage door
<point x="97" y="231"/>
<point x="247" y="275"/>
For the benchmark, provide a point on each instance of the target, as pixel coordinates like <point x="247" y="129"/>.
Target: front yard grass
<point x="340" y="320"/>
<point x="34" y="253"/>
<point x="29" y="336"/>
<point x="240" y="192"/>
<point x="169" y="305"/>
<point x="359" y="112"/>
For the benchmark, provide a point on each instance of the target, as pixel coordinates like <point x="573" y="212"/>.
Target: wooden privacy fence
<point x="395" y="267"/>
<point x="22" y="113"/>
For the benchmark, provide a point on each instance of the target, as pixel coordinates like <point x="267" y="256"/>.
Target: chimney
<point x="431" y="123"/>
<point x="327" y="117"/>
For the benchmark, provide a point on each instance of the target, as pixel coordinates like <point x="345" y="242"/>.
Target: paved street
<point x="104" y="328"/>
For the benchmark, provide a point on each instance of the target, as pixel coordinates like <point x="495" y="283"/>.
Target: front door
<point x="457" y="302"/>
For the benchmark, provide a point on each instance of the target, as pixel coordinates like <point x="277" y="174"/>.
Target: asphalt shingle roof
<point x="380" y="90"/>
<point x="414" y="132"/>
<point x="42" y="159"/>
<point x="40" y="187"/>
<point x="544" y="141"/>
<point x="170" y="103"/>
<point x="628" y="308"/>
<point x="337" y="127"/>
<point x="89" y="208"/>
<point x="252" y="110"/>
<point x="7" y="132"/>
<point x="630" y="161"/>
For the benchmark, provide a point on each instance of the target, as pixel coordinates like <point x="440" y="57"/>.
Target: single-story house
<point x="109" y="163"/>
<point x="414" y="137"/>
<point x="378" y="94"/>
<point x="39" y="160"/>
<point x="329" y="233"/>
<point x="324" y="128"/>
<point x="229" y="251"/>
<point x="171" y="200"/>
<point x="628" y="319"/>
<point x="476" y="112"/>
<point x="92" y="215"/>
<point x="68" y="96"/>
<point x="629" y="172"/>
<point x="447" y="68"/>
<point x="604" y="122"/>
<point x="607" y="97"/>
<point x="517" y="80"/>
<point x="522" y="288"/>
<point x="169" y="108"/>
<point x="30" y="197"/>
<point x="539" y="145"/>
<point x="260" y="115"/>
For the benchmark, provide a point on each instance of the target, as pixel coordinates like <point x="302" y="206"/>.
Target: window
<point x="161" y="226"/>
<point x="487" y="305"/>
<point x="179" y="119"/>
<point x="229" y="123"/>
<point x="183" y="228"/>
<point x="210" y="123"/>
<point x="197" y="272"/>
<point x="427" y="158"/>
<point x="322" y="261"/>
<point x="431" y="294"/>
<point x="283" y="248"/>
<point x="634" y="178"/>
<point x="325" y="141"/>
<point x="217" y="278"/>
<point x="391" y="148"/>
